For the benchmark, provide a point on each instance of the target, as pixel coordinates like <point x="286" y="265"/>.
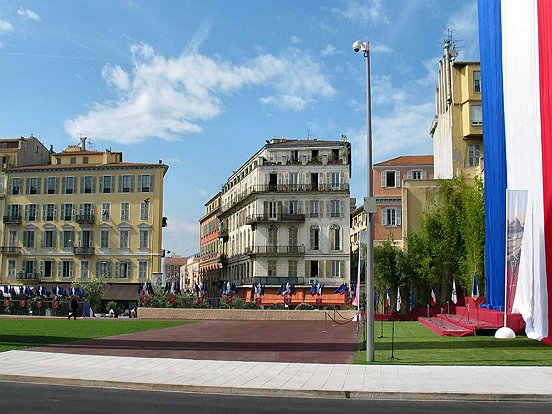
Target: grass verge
<point x="20" y="333"/>
<point x="414" y="344"/>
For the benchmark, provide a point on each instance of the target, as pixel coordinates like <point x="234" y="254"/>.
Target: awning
<point x="126" y="291"/>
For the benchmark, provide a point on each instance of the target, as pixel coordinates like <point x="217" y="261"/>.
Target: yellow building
<point x="457" y="128"/>
<point x="79" y="214"/>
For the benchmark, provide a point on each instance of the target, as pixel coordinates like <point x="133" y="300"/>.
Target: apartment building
<point x="285" y="215"/>
<point x="457" y="128"/>
<point x="210" y="243"/>
<point x="171" y="267"/>
<point x="82" y="213"/>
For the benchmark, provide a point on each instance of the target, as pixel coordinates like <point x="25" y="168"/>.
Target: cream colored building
<point x="457" y="128"/>
<point x="80" y="214"/>
<point x="285" y="215"/>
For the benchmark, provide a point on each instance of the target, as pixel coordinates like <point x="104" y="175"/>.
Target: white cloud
<point x="28" y="14"/>
<point x="202" y="192"/>
<point x="180" y="236"/>
<point x="167" y="96"/>
<point x="381" y="49"/>
<point x="295" y="40"/>
<point x="464" y="25"/>
<point x="329" y="50"/>
<point x="5" y="26"/>
<point x="359" y="11"/>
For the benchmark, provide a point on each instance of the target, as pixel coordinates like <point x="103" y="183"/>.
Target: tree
<point x="93" y="290"/>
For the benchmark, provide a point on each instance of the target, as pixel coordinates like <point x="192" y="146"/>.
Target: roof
<point x="303" y="143"/>
<point x="408" y="160"/>
<point x="54" y="167"/>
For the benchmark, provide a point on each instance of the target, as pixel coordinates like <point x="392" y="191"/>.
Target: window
<point x="292" y="268"/>
<point x="474" y="154"/>
<point x="293" y="207"/>
<point x="29" y="238"/>
<point x="84" y="269"/>
<point x="476" y="115"/>
<point x="47" y="268"/>
<point x="106" y="211"/>
<point x="67" y="212"/>
<point x="13" y="239"/>
<point x="33" y="185"/>
<point x="103" y="268"/>
<point x="68" y="185"/>
<point x="142" y="270"/>
<point x="51" y="185"/>
<point x="15" y="186"/>
<point x="66" y="268"/>
<point x="48" y="239"/>
<point x="272" y="239"/>
<point x="336" y="177"/>
<point x="126" y="183"/>
<point x="314" y="208"/>
<point x="145" y="183"/>
<point x="123" y="269"/>
<point x="67" y="238"/>
<point x="85" y="160"/>
<point x="335" y="208"/>
<point x="144" y="239"/>
<point x="49" y="212"/>
<point x="73" y="160"/>
<point x="271" y="268"/>
<point x="272" y="209"/>
<point x="11" y="268"/>
<point x="124" y="236"/>
<point x="335" y="237"/>
<point x="104" y="238"/>
<point x="106" y="184"/>
<point x="391" y="217"/>
<point x="315" y="238"/>
<point x="88" y="184"/>
<point x="417" y="175"/>
<point x="390" y="179"/>
<point x="293" y="236"/>
<point x="477" y="81"/>
<point x="144" y="210"/>
<point x="335" y="270"/>
<point x="29" y="268"/>
<point x="31" y="212"/>
<point x="125" y="211"/>
<point x="293" y="180"/>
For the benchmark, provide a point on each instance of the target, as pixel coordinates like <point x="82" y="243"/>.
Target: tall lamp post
<point x="369" y="209"/>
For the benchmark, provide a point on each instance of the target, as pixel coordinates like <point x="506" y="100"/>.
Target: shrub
<point x="304" y="306"/>
<point x="277" y="306"/>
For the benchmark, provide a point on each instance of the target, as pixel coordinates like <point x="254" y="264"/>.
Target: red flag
<point x="433" y="299"/>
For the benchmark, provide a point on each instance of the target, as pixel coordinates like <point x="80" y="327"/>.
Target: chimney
<point x="83" y="143"/>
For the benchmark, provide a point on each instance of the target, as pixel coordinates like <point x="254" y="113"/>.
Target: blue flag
<point x="412" y="300"/>
<point x="475" y="288"/>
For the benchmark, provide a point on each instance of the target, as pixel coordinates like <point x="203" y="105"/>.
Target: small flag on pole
<point x="399" y="300"/>
<point x="412" y="300"/>
<point x="454" y="297"/>
<point x="388" y="299"/>
<point x="475" y="288"/>
<point x="433" y="297"/>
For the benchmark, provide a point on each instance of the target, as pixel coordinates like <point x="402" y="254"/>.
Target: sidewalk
<point x="280" y="378"/>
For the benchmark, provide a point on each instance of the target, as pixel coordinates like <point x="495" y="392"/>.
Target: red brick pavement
<point x="276" y="341"/>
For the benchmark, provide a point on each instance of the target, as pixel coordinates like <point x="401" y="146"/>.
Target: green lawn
<point x="25" y="333"/>
<point x="417" y="345"/>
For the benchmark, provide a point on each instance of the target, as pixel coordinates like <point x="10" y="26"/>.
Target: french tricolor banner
<point x="516" y="74"/>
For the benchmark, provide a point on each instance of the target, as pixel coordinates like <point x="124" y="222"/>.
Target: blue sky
<point x="202" y="84"/>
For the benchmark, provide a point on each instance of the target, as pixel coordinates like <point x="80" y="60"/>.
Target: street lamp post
<point x="369" y="209"/>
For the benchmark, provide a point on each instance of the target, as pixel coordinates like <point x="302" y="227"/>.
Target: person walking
<point x="74" y="305"/>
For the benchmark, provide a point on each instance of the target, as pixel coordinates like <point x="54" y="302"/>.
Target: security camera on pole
<point x="369" y="209"/>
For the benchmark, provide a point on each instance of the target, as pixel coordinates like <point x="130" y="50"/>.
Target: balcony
<point x="265" y="218"/>
<point x="223" y="234"/>
<point x="275" y="250"/>
<point x="85" y="218"/>
<point x="12" y="219"/>
<point x="83" y="251"/>
<point x="27" y="275"/>
<point x="10" y="250"/>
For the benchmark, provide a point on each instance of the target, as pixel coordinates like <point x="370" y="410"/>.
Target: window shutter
<point x="280" y="209"/>
<point x="98" y="268"/>
<point x="81" y="186"/>
<point x="72" y="212"/>
<point x="151" y="183"/>
<point x="63" y="184"/>
<point x="139" y="183"/>
<point x="101" y="184"/>
<point x="397" y="178"/>
<point x="117" y="265"/>
<point x="10" y="186"/>
<point x="384" y="217"/>
<point x="54" y="238"/>
<point x="131" y="183"/>
<point x="55" y="212"/>
<point x="300" y="206"/>
<point x="342" y="270"/>
<point x="43" y="212"/>
<point x="409" y="175"/>
<point x="42" y="239"/>
<point x="424" y="175"/>
<point x="71" y="269"/>
<point x="383" y="179"/>
<point x="398" y="216"/>
<point x="28" y="186"/>
<point x="38" y="186"/>
<point x="27" y="212"/>
<point x="56" y="185"/>
<point x="41" y="268"/>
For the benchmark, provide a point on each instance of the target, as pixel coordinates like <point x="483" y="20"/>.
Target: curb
<point x="278" y="392"/>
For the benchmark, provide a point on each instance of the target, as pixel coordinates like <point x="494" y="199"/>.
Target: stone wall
<point x="243" y="314"/>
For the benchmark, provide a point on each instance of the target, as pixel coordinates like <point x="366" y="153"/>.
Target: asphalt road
<point x="17" y="398"/>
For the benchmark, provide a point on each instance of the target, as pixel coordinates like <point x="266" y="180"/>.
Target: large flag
<point x="388" y="299"/>
<point x="412" y="300"/>
<point x="454" y="296"/>
<point x="399" y="300"/>
<point x="516" y="64"/>
<point x="433" y="297"/>
<point x="475" y="288"/>
<point x="361" y="261"/>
